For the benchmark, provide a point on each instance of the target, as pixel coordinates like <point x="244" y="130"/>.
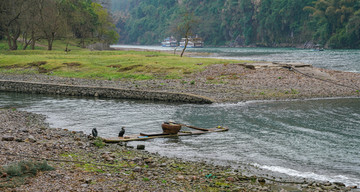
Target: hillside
<point x="273" y="23"/>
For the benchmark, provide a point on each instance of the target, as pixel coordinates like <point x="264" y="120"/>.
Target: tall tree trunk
<point x="50" y="43"/>
<point x="186" y="43"/>
<point x="9" y="40"/>
<point x="25" y="46"/>
<point x="33" y="40"/>
<point x="12" y="40"/>
<point x="51" y="39"/>
<point x="14" y="44"/>
<point x="26" y="42"/>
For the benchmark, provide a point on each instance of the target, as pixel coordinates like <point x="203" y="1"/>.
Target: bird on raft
<point x="94" y="132"/>
<point x="122" y="132"/>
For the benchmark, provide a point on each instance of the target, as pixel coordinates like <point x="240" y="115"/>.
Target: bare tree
<point x="29" y="23"/>
<point x="50" y="19"/>
<point x="185" y="27"/>
<point x="10" y="14"/>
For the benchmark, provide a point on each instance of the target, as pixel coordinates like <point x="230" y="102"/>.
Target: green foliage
<point x="99" y="143"/>
<point x="247" y="22"/>
<point x="17" y="172"/>
<point x="294" y="91"/>
<point x="48" y="20"/>
<point x="222" y="184"/>
<point x="210" y="176"/>
<point x="91" y="168"/>
<point x="27" y="167"/>
<point x="146" y="179"/>
<point x="336" y="23"/>
<point x="3" y="45"/>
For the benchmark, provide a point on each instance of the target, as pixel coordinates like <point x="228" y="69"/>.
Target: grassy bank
<point x="106" y="65"/>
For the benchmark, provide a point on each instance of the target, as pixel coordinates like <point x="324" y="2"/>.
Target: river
<point x="314" y="139"/>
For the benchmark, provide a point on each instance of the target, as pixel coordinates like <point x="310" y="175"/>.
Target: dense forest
<point x="301" y="23"/>
<point x="28" y="21"/>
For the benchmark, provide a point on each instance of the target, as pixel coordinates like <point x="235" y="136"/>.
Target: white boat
<point x="193" y="42"/>
<point x="169" y="42"/>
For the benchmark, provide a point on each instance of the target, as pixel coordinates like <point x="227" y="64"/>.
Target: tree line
<point x="29" y="21"/>
<point x="330" y="23"/>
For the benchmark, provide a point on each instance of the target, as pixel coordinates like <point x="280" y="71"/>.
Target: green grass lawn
<point x="109" y="65"/>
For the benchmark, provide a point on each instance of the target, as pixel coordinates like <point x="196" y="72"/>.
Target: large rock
<point x="8" y="138"/>
<point x="140" y="147"/>
<point x="137" y="169"/>
<point x="339" y="184"/>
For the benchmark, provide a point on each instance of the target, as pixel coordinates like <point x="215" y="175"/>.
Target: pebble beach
<point x="81" y="163"/>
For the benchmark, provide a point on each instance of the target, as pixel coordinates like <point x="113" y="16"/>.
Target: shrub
<point x="26" y="167"/>
<point x="17" y="172"/>
<point x="99" y="142"/>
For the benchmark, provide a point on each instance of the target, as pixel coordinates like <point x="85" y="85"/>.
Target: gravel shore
<point x="82" y="163"/>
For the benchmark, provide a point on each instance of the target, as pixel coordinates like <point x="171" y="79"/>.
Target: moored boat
<point x="146" y="136"/>
<point x="193" y="42"/>
<point x="169" y="42"/>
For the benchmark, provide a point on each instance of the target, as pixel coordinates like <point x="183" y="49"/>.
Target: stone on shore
<point x="140" y="147"/>
<point x="8" y="138"/>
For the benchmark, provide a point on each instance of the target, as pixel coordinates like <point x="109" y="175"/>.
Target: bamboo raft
<point x="144" y="136"/>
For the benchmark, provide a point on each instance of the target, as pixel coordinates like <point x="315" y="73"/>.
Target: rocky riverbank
<point x="86" y="164"/>
<point x="232" y="82"/>
<point x="83" y="163"/>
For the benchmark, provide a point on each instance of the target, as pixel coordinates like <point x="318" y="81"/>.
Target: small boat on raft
<point x="169" y="130"/>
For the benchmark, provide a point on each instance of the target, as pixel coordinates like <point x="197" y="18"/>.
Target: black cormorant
<point x="94" y="132"/>
<point x="122" y="132"/>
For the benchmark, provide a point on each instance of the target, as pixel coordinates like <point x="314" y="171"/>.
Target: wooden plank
<point x="139" y="137"/>
<point x="153" y="134"/>
<point x="193" y="127"/>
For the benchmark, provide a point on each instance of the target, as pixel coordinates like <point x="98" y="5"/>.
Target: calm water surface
<point x="316" y="139"/>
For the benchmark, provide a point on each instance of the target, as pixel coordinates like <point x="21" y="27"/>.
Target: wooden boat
<point x="170" y="128"/>
<point x="145" y="136"/>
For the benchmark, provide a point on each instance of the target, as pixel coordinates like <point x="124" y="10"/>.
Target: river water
<point x="314" y="139"/>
